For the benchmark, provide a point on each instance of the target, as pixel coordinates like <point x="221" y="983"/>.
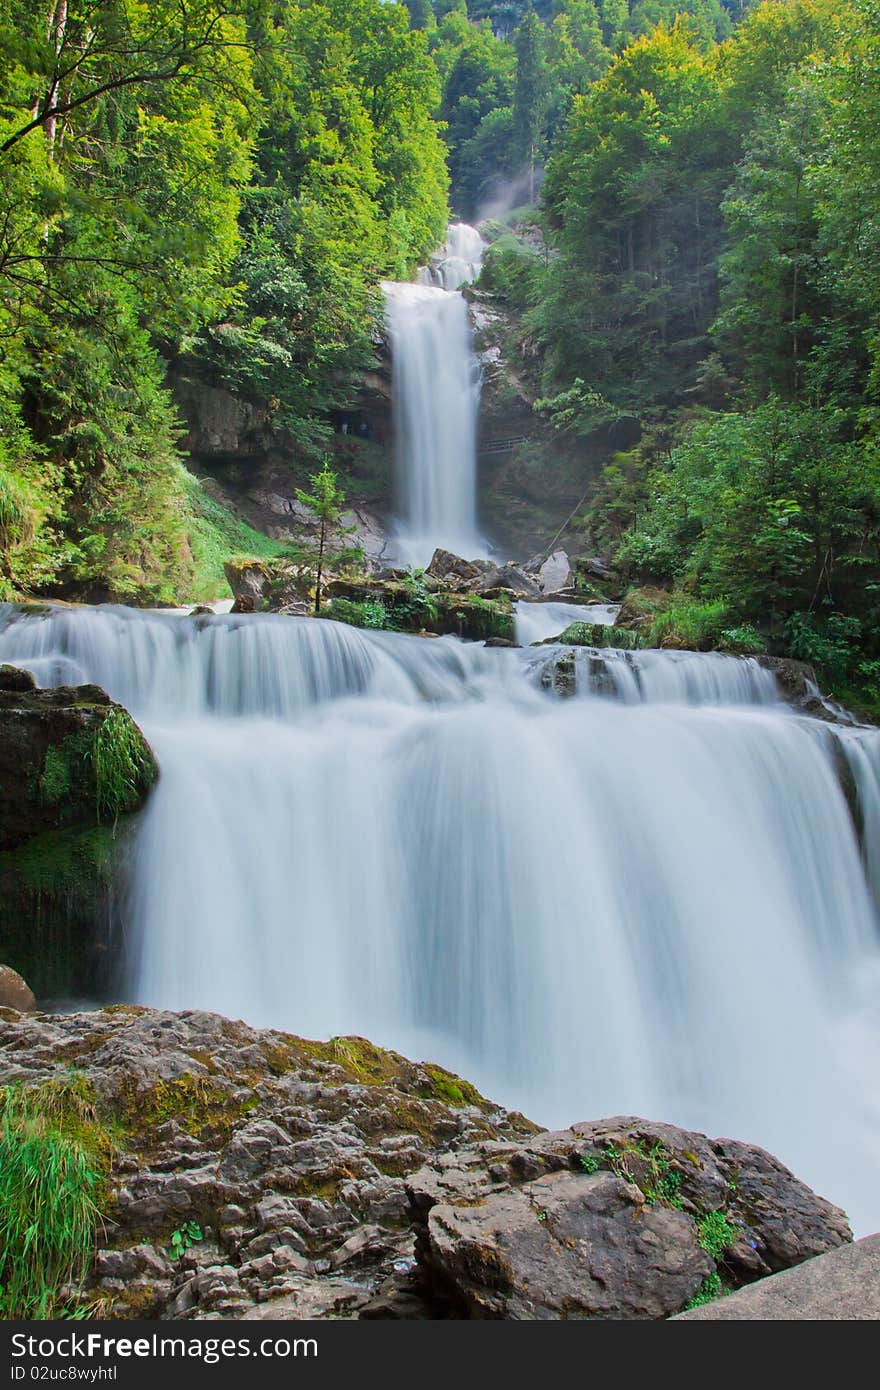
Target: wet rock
<point x="73" y="768"/>
<point x="445" y="566"/>
<point x="270" y="586"/>
<point x="507" y="578"/>
<point x="15" y="678"/>
<point x="14" y="992"/>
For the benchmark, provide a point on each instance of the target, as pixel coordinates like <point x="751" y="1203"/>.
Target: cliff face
<point x="255" y="465"/>
<point x="529" y="480"/>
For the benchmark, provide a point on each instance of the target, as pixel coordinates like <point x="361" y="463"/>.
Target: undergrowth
<point x="54" y="1154"/>
<point x="121" y="763"/>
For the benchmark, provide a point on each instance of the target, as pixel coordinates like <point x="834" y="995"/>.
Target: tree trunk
<point x="320" y="567"/>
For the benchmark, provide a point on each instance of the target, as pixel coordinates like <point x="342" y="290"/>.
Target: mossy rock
<point x="74" y="766"/>
<point x="595" y="635"/>
<point x="69" y="757"/>
<point x="640" y="606"/>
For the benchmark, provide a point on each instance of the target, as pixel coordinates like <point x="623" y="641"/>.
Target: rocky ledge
<point x="249" y="1173"/>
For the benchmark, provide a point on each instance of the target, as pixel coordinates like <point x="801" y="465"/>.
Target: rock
<point x="15" y="678"/>
<point x="593" y="567"/>
<point x="640" y="605"/>
<point x="841" y="1286"/>
<point x="270" y="586"/>
<point x="568" y="1246"/>
<point x="555" y="573"/>
<point x="14" y="993"/>
<point x="602" y="1220"/>
<point x="335" y="1179"/>
<point x="47" y="771"/>
<point x="508" y="578"/>
<point x="446" y="566"/>
<point x="61" y="827"/>
<point x="291" y="1175"/>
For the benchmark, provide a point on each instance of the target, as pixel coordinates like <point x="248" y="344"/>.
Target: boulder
<point x="507" y="578"/>
<point x="445" y="567"/>
<point x="842" y="1286"/>
<point x="270" y="586"/>
<point x="617" y="1218"/>
<point x="14" y="678"/>
<point x="14" y="993"/>
<point x="555" y="573"/>
<point x="568" y="1246"/>
<point x="48" y="778"/>
<point x="337" y="1179"/>
<point x="74" y="767"/>
<point x="288" y="1156"/>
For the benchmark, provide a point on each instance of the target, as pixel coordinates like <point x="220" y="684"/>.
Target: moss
<point x="55" y="897"/>
<point x="448" y="1087"/>
<point x="710" y="1289"/>
<point x="200" y="1105"/>
<point x="63" y="860"/>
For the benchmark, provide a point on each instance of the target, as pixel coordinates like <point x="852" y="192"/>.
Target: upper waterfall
<point x="436" y="392"/>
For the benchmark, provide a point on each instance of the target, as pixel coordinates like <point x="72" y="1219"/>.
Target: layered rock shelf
<point x="335" y="1179"/>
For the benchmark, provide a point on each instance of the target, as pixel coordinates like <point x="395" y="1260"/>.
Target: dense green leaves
<point x="224" y="179"/>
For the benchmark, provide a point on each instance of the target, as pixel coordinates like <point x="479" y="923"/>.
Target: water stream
<point x="649" y="898"/>
<point x="436" y="390"/>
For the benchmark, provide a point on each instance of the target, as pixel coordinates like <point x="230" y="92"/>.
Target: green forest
<point x="683" y="202"/>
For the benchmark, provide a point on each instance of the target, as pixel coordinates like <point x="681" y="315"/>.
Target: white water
<point x="459" y="262"/>
<point x="651" y="904"/>
<point x="535" y="622"/>
<point x="436" y="388"/>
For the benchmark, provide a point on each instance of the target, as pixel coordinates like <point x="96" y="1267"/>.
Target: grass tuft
<point x="53" y="1154"/>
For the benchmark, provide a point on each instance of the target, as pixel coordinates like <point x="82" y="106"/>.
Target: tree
<point x="326" y="500"/>
<point x="530" y="93"/>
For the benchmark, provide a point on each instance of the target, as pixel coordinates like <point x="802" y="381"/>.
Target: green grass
<point x="121" y="764"/>
<point x="710" y="1289"/>
<point x="53" y="1158"/>
<point x="716" y="1234"/>
<point x="215" y="535"/>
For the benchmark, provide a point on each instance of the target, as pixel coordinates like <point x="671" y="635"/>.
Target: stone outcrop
<point x="842" y="1286"/>
<point x="73" y="767"/>
<point x="289" y="1156"/>
<point x="15" y="993"/>
<point x="619" y="1218"/>
<point x="339" y="1180"/>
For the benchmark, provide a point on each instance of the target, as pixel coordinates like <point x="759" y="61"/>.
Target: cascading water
<point x="649" y="898"/>
<point x="436" y="388"/>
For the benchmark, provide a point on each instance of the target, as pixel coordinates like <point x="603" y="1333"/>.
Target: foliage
<point x="220" y="180"/>
<point x="715" y="1233"/>
<point x="121" y="765"/>
<point x="184" y="1238"/>
<point x="370" y="613"/>
<point x="326" y="501"/>
<point x="52" y="1157"/>
<point x="710" y="1289"/>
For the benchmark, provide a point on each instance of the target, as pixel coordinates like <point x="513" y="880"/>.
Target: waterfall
<point x="647" y="898"/>
<point x="436" y="393"/>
